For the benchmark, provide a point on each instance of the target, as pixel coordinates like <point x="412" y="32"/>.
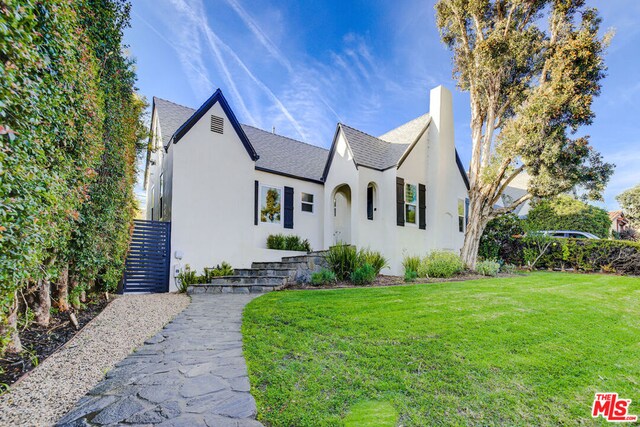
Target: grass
<point x="528" y="350"/>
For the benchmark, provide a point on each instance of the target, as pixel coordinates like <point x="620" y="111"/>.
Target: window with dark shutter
<point x="400" y="201"/>
<point x="422" y="206"/>
<point x="288" y="207"/>
<point x="217" y="124"/>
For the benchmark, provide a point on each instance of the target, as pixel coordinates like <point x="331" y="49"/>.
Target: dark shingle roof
<point x="171" y="117"/>
<point x="277" y="153"/>
<point x="281" y="154"/>
<point x="373" y="152"/>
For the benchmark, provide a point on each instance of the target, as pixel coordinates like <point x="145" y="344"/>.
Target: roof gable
<point x="372" y="152"/>
<point x="408" y="132"/>
<point x="195" y="117"/>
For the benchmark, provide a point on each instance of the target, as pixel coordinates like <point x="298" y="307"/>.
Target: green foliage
<point x="374" y="259"/>
<point x="411" y="264"/>
<point x="323" y="277"/>
<point x="271" y="211"/>
<point x="509" y="268"/>
<point x="224" y="269"/>
<point x="288" y="243"/>
<point x="440" y="264"/>
<point x="344" y="260"/>
<point x="187" y="277"/>
<point x="488" y="267"/>
<point x="496" y="240"/>
<point x="535" y="246"/>
<point x="410" y="275"/>
<point x="630" y="203"/>
<point x="566" y="213"/>
<point x="363" y="275"/>
<point x="69" y="129"/>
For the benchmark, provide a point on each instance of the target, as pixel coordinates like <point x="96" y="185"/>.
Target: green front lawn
<point x="528" y="350"/>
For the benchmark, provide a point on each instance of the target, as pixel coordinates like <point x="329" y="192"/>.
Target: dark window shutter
<point x="400" y="201"/>
<point x="422" y="206"/>
<point x="370" y="203"/>
<point x="466" y="211"/>
<point x="255" y="204"/>
<point x="288" y="207"/>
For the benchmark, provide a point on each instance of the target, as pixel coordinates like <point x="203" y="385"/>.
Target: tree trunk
<point x="42" y="309"/>
<point x="62" y="290"/>
<point x="10" y="328"/>
<point x="75" y="296"/>
<point x="475" y="227"/>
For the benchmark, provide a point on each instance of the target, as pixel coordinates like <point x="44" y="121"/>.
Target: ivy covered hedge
<point x="70" y="128"/>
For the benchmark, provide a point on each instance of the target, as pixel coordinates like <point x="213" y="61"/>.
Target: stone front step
<point x="261" y="272"/>
<point x="231" y="288"/>
<point x="250" y="280"/>
<point x="271" y="265"/>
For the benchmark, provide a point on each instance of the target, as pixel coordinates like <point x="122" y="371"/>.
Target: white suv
<point x="570" y="234"/>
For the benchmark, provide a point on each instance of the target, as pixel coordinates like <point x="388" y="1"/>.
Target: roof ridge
<point x="365" y="133"/>
<point x="174" y="103"/>
<point x="286" y="137"/>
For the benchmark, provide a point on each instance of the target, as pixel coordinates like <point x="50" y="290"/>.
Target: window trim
<point x="313" y="203"/>
<point x="374" y="208"/>
<point x="461" y="216"/>
<point x="281" y="190"/>
<point x="414" y="204"/>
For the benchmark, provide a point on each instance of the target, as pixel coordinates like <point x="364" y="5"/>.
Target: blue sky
<point x="303" y="66"/>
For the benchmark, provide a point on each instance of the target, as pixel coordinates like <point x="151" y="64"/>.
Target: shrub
<point x="187" y="277"/>
<point x="509" y="268"/>
<point x="488" y="267"/>
<point x="374" y="259"/>
<point x="363" y="275"/>
<point x="410" y="275"/>
<point x="566" y="213"/>
<point x="497" y="241"/>
<point x="288" y="243"/>
<point x="535" y="246"/>
<point x="342" y="260"/>
<point x="441" y="264"/>
<point x="411" y="264"/>
<point x="323" y="277"/>
<point x="224" y="269"/>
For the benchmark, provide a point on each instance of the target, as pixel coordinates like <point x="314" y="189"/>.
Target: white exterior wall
<point x="209" y="197"/>
<point x="306" y="225"/>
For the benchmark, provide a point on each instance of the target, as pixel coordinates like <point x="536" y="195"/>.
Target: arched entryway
<point x="341" y="211"/>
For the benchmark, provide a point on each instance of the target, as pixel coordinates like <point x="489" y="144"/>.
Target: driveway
<point x="192" y="373"/>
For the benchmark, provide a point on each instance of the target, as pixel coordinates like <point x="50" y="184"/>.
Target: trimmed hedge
<point x="567" y="213"/>
<point x="587" y="255"/>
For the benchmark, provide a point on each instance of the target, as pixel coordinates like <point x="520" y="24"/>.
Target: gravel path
<point x="191" y="374"/>
<point x="51" y="389"/>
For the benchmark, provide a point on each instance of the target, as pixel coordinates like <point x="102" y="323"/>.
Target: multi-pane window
<point x="410" y="202"/>
<point x="307" y="202"/>
<point x="461" y="215"/>
<point x="161" y="194"/>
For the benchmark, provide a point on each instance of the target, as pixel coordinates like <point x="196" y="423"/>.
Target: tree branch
<point x="500" y="211"/>
<point x="506" y="183"/>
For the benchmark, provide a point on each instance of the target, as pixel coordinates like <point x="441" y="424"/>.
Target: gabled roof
<point x="408" y="132"/>
<point x="613" y="215"/>
<point x="275" y="153"/>
<point x="217" y="97"/>
<point x="171" y="117"/>
<point x="286" y="156"/>
<point x="372" y="152"/>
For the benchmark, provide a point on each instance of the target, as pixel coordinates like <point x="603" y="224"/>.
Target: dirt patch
<point x="40" y="342"/>
<point x="383" y="280"/>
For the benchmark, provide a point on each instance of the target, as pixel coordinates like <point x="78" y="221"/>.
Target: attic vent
<point x="217" y="124"/>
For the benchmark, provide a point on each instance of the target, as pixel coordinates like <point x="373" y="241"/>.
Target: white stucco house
<point x="403" y="192"/>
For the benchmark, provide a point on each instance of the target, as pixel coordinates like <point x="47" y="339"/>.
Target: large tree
<point x="630" y="203"/>
<point x="531" y="83"/>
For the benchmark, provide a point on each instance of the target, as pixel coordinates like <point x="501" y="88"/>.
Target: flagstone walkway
<point x="192" y="373"/>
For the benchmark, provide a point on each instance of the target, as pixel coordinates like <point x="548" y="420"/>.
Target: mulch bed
<point x="383" y="280"/>
<point x="39" y="342"/>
